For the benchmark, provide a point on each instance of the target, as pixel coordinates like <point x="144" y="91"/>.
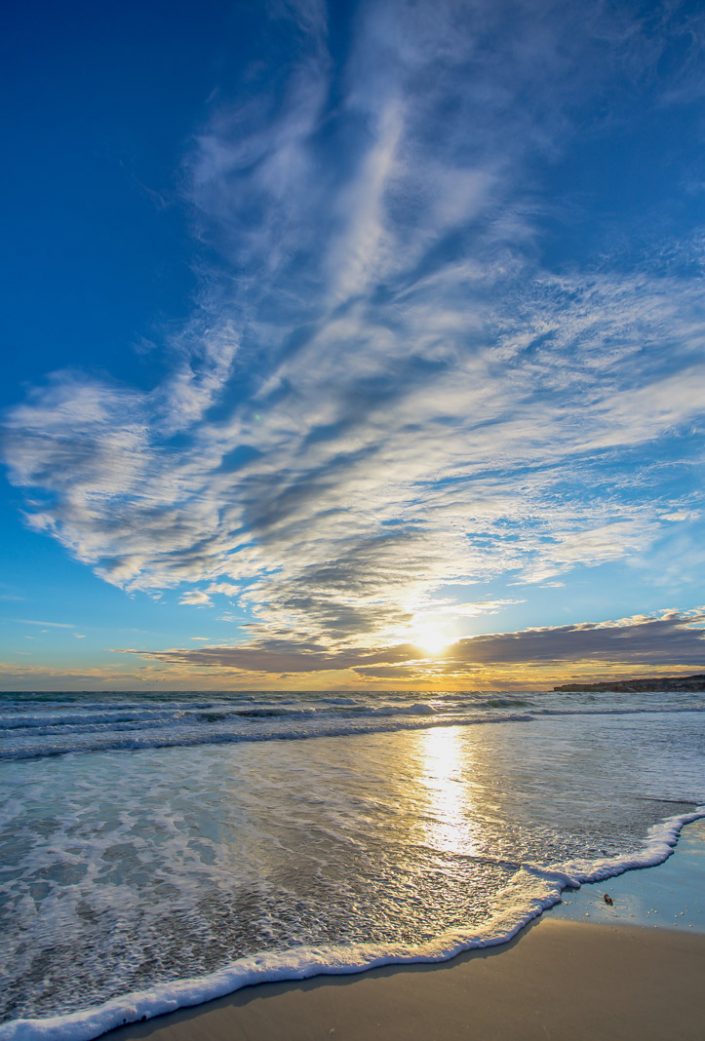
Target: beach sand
<point x="586" y="971"/>
<point x="558" y="981"/>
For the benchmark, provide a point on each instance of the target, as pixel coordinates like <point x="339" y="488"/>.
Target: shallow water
<point x="126" y="869"/>
<point x="671" y="898"/>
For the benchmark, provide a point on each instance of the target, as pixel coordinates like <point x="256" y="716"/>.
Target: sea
<point x="158" y="850"/>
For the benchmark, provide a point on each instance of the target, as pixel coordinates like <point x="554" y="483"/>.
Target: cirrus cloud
<point x="387" y="389"/>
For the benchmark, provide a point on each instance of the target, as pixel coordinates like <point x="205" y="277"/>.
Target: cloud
<point x="679" y="516"/>
<point x="386" y="389"/>
<point x="43" y="624"/>
<point x="202" y="597"/>
<point x="276" y="656"/>
<point x="669" y="640"/>
<point x="196" y="598"/>
<point x="16" y="676"/>
<point x="224" y="588"/>
<point x="8" y="593"/>
<point x="673" y="638"/>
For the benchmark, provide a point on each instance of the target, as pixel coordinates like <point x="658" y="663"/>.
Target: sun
<point x="431" y="635"/>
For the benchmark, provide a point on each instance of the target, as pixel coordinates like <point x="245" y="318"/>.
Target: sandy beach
<point x="559" y="980"/>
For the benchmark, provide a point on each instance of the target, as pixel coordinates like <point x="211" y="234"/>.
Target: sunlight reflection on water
<point x="126" y="870"/>
<point x="447" y="768"/>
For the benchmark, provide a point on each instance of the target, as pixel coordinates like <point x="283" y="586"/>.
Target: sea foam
<point x="141" y="880"/>
<point x="518" y="909"/>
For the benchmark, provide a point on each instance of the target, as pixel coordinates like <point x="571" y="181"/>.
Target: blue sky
<point x="352" y="345"/>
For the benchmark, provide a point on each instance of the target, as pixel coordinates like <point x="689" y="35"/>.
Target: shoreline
<point x="670" y="897"/>
<point x="151" y="1014"/>
<point x="557" y="980"/>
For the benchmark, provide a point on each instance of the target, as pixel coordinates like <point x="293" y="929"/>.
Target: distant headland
<point x="639" y="684"/>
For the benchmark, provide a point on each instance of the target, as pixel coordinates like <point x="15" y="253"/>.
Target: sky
<point x="356" y="345"/>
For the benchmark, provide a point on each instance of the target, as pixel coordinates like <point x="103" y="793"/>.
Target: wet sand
<point x="558" y="981"/>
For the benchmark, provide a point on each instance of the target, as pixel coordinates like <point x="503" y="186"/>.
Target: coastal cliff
<point x="640" y="684"/>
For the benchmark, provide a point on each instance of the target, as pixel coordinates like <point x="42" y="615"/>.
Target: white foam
<point x="533" y="891"/>
<point x="661" y="840"/>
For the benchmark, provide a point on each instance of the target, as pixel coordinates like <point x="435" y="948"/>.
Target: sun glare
<point x="431" y="635"/>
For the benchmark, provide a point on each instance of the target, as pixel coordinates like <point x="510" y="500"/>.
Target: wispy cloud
<point x="196" y="598"/>
<point x="388" y="390"/>
<point x="43" y="624"/>
<point x="8" y="593"/>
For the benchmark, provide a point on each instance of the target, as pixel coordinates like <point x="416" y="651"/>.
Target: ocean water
<point x="158" y="850"/>
<point x="671" y="898"/>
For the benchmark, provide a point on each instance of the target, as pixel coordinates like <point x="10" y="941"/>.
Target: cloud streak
<point x="672" y="639"/>
<point x="386" y="391"/>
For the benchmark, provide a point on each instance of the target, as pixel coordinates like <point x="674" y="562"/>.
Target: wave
<point x="117" y="740"/>
<point x="639" y="710"/>
<point x="105" y="717"/>
<point x="534" y="891"/>
<point x="95" y="727"/>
